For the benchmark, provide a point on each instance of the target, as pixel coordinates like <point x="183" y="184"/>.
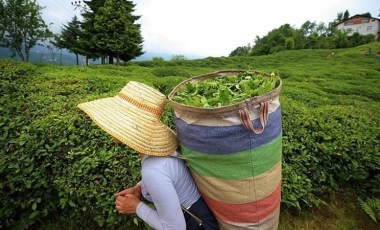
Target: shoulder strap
<point x="200" y="222"/>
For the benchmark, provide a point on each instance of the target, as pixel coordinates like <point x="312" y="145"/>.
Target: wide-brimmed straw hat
<point x="133" y="118"/>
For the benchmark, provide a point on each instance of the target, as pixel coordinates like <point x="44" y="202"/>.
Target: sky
<point x="215" y="28"/>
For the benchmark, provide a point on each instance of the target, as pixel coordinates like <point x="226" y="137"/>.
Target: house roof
<point x="357" y="15"/>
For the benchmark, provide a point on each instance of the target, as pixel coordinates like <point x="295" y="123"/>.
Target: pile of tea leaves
<point x="226" y="89"/>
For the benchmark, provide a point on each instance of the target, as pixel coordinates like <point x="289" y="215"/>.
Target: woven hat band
<point x="140" y="105"/>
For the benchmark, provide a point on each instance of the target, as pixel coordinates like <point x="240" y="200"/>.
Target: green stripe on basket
<point x="246" y="164"/>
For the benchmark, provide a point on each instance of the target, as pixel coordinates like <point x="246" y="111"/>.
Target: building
<point x="361" y="24"/>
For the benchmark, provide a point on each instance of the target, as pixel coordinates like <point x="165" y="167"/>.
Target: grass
<point x="339" y="214"/>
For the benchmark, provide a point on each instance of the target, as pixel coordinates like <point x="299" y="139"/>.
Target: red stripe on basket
<point x="246" y="213"/>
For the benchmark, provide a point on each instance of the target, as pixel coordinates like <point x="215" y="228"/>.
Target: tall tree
<point x="21" y="26"/>
<point x="346" y="15"/>
<point x="69" y="38"/>
<point x="118" y="34"/>
<point x="87" y="38"/>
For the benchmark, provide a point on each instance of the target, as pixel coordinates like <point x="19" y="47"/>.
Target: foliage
<point x="69" y="37"/>
<point x="170" y="71"/>
<point x="158" y="59"/>
<point x="87" y="39"/>
<point x="21" y="26"/>
<point x="226" y="90"/>
<point x="117" y="32"/>
<point x="371" y="207"/>
<point x="178" y="57"/>
<point x="309" y="36"/>
<point x="53" y="159"/>
<point x="110" y="29"/>
<point x="241" y="51"/>
<point x="56" y="164"/>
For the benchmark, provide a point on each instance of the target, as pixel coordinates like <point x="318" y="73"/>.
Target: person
<point x="369" y="51"/>
<point x="132" y="117"/>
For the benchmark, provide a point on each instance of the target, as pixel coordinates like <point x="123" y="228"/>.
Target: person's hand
<point x="136" y="190"/>
<point x="127" y="204"/>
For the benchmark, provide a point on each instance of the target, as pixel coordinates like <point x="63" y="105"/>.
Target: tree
<point x="69" y="38"/>
<point x="346" y="15"/>
<point x="368" y="14"/>
<point x="117" y="33"/>
<point x="87" y="38"/>
<point x="178" y="57"/>
<point x="21" y="26"/>
<point x="339" y="16"/>
<point x="241" y="51"/>
<point x="275" y="41"/>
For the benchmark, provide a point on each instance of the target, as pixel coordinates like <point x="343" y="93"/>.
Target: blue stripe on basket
<point x="227" y="139"/>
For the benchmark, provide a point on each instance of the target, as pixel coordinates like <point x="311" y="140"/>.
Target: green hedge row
<point x="56" y="164"/>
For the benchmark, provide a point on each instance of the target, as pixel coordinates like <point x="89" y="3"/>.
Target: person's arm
<point x="168" y="213"/>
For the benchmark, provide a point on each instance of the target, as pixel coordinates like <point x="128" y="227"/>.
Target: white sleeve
<point x="168" y="213"/>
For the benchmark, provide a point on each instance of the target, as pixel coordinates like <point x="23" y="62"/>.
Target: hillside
<point x="59" y="170"/>
<point x="41" y="54"/>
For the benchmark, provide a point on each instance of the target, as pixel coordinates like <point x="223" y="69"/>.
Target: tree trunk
<point x="110" y="61"/>
<point x="52" y="55"/>
<point x="60" y="58"/>
<point x="20" y="54"/>
<point x="27" y="50"/>
<point x="86" y="61"/>
<point x="76" y="56"/>
<point x="27" y="56"/>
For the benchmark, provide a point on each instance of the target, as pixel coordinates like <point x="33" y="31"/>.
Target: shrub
<point x="331" y="147"/>
<point x="53" y="159"/>
<point x="56" y="164"/>
<point x="170" y="71"/>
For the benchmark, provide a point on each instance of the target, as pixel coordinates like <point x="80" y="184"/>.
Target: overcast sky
<point x="215" y="27"/>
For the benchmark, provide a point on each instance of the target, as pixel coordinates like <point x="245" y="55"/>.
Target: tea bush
<point x="328" y="148"/>
<point x="53" y="160"/>
<point x="56" y="164"/>
<point x="170" y="71"/>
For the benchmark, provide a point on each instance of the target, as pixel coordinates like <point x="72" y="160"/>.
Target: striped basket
<point x="234" y="154"/>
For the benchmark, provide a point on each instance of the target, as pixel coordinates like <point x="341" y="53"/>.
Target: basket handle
<point x="246" y="120"/>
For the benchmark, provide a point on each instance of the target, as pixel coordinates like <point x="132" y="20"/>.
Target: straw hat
<point x="133" y="117"/>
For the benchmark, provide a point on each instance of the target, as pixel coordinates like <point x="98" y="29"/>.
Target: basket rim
<point x="223" y="110"/>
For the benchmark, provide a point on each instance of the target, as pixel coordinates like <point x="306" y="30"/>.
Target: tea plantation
<point x="58" y="170"/>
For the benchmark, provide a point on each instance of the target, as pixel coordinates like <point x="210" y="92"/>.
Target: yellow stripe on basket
<point x="235" y="191"/>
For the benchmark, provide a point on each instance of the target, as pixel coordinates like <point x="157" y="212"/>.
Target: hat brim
<point x="134" y="127"/>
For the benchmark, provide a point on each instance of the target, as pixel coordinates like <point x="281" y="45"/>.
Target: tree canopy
<point x="117" y="34"/>
<point x="69" y="38"/>
<point x="21" y="26"/>
<point x="310" y="35"/>
<point x="108" y="29"/>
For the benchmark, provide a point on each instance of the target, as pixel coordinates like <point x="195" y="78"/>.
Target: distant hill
<point x="63" y="57"/>
<point x="43" y="54"/>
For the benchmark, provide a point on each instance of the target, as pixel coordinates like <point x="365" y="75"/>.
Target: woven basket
<point x="234" y="154"/>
